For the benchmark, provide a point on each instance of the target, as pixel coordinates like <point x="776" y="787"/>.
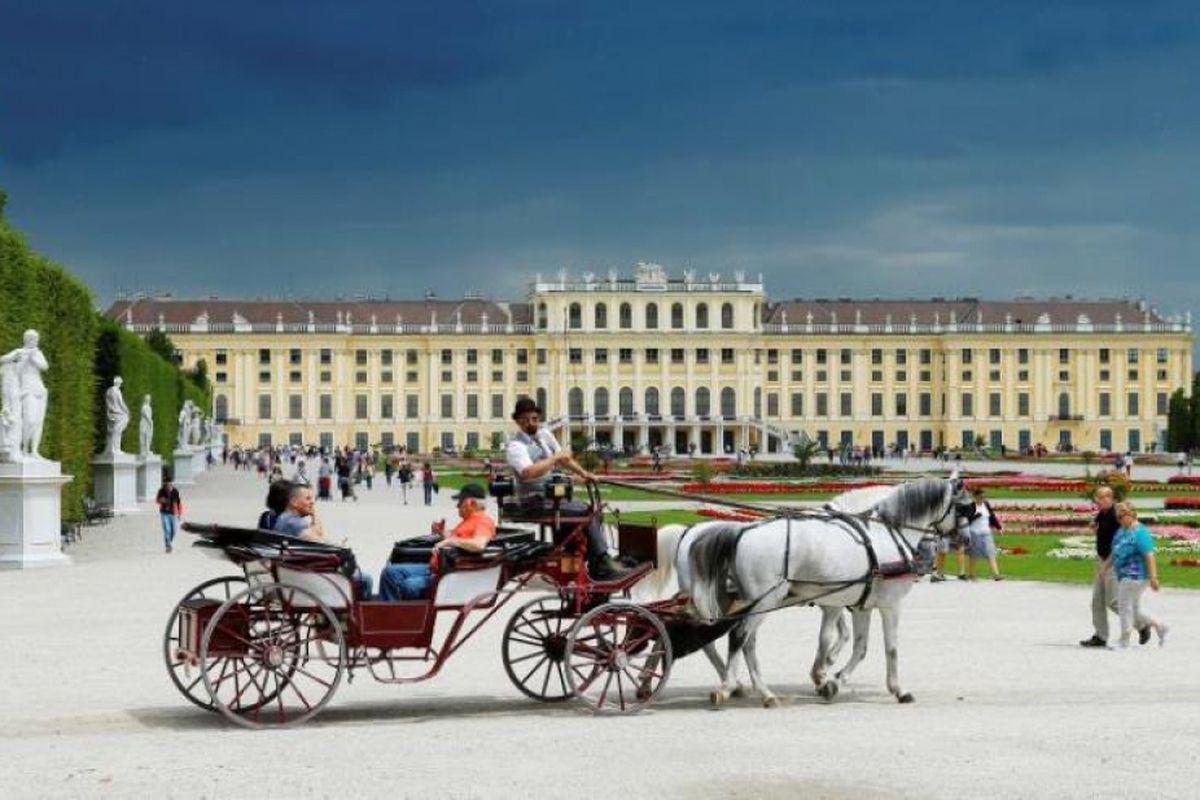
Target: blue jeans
<point x="428" y="493"/>
<point x="404" y="581"/>
<point x="168" y="528"/>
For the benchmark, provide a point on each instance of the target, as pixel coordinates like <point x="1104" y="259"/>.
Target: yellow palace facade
<point x="690" y="363"/>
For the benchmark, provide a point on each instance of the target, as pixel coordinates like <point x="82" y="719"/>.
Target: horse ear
<point x="954" y="474"/>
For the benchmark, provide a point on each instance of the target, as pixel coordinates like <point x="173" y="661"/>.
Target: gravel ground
<point x="1007" y="704"/>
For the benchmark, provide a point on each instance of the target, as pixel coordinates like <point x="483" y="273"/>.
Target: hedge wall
<point x="119" y="352"/>
<point x="36" y="293"/>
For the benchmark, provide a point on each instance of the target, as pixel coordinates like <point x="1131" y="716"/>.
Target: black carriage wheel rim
<point x="533" y="649"/>
<point x="185" y="677"/>
<point x="618" y="658"/>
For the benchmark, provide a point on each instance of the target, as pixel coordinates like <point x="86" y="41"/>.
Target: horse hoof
<point x="771" y="702"/>
<point x="739" y="692"/>
<point x="828" y="690"/>
<point x="718" y="697"/>
<point x="906" y="698"/>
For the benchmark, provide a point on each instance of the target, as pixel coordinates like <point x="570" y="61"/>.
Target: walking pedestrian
<point x="1104" y="583"/>
<point x="981" y="544"/>
<point x="428" y="482"/>
<point x="170" y="509"/>
<point x="1133" y="561"/>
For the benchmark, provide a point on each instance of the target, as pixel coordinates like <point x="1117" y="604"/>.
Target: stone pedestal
<point x="115" y="477"/>
<point x="31" y="515"/>
<point x="199" y="462"/>
<point x="183" y="472"/>
<point x="149" y="477"/>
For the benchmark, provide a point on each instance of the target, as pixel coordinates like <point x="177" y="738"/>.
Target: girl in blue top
<point x="1133" y="562"/>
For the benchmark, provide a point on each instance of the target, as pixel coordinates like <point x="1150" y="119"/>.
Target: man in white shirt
<point x="534" y="454"/>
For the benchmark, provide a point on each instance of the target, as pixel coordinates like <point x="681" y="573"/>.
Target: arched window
<point x="575" y="402"/>
<point x="677" y="316"/>
<point x="702" y="316"/>
<point x="541" y="401"/>
<point x="600" y="402"/>
<point x="728" y="403"/>
<point x="652" y="316"/>
<point x="541" y="316"/>
<point x="1064" y="405"/>
<point x="574" y="317"/>
<point x="652" y="401"/>
<point x="601" y="316"/>
<point x="678" y="399"/>
<point x="626" y="316"/>
<point x="625" y="401"/>
<point x="221" y="408"/>
<point x="727" y="316"/>
<point x="703" y="402"/>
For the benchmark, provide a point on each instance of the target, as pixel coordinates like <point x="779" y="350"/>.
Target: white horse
<point x="673" y="577"/>
<point x="819" y="558"/>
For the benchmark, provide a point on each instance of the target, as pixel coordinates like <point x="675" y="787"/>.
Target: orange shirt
<point x="479" y="523"/>
<point x="474" y="525"/>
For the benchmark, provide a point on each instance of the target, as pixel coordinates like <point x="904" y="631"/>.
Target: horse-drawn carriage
<point x="270" y="646"/>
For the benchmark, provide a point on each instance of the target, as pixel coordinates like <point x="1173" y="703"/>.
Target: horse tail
<point x="711" y="560"/>
<point x="662" y="583"/>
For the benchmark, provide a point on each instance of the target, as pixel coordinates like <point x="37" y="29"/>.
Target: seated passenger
<point x="411" y="581"/>
<point x="276" y="502"/>
<point x="300" y="520"/>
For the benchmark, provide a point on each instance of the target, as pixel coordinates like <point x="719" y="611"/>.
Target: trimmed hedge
<point x="119" y="352"/>
<point x="37" y="293"/>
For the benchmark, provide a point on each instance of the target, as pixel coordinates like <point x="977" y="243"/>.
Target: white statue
<point x="29" y="413"/>
<point x="146" y="427"/>
<point x="10" y="411"/>
<point x="185" y="425"/>
<point x="195" y="424"/>
<point x="208" y="430"/>
<point x="117" y="413"/>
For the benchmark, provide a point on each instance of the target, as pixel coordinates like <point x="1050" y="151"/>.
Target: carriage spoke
<point x="541" y="661"/>
<point x="528" y="656"/>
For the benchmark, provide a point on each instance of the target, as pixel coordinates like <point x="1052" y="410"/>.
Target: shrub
<point x="703" y="472"/>
<point x="1114" y="479"/>
<point x="37" y="293"/>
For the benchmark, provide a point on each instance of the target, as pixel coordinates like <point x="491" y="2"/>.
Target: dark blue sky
<point x="320" y="148"/>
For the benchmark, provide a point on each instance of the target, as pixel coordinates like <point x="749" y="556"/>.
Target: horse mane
<point x="916" y="500"/>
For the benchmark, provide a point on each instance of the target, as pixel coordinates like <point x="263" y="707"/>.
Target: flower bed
<point x="734" y="516"/>
<point x="770" y="487"/>
<point x="1192" y="480"/>
<point x="1181" y="502"/>
<point x="1032" y="483"/>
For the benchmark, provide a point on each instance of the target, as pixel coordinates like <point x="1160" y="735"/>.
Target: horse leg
<point x="737" y="639"/>
<point x="891" y="623"/>
<point x="714" y="658"/>
<point x="862" y="634"/>
<point x="843" y="631"/>
<point x="769" y="698"/>
<point x="831" y="624"/>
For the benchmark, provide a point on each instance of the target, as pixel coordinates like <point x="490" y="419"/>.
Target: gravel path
<point x="1007" y="704"/>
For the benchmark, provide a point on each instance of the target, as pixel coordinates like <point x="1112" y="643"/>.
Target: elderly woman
<point x="1132" y="559"/>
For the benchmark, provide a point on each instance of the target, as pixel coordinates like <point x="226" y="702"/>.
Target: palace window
<point x="727" y="316"/>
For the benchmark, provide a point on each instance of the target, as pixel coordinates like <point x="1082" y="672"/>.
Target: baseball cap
<point x="471" y="490"/>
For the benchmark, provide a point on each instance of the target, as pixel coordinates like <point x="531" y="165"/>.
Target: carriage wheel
<point x="191" y="685"/>
<point x="280" y="656"/>
<point x="618" y="657"/>
<point x="535" y="646"/>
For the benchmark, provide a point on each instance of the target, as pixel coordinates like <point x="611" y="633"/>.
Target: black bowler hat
<point x="470" y="490"/>
<point x="524" y="406"/>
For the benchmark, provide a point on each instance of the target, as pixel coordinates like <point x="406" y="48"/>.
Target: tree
<point x="199" y="375"/>
<point x="806" y="450"/>
<point x="1181" y="426"/>
<point x="161" y="343"/>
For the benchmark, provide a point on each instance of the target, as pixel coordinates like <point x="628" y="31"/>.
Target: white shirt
<point x="523" y="451"/>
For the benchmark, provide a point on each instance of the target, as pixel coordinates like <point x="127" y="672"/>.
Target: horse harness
<point x="855" y="525"/>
